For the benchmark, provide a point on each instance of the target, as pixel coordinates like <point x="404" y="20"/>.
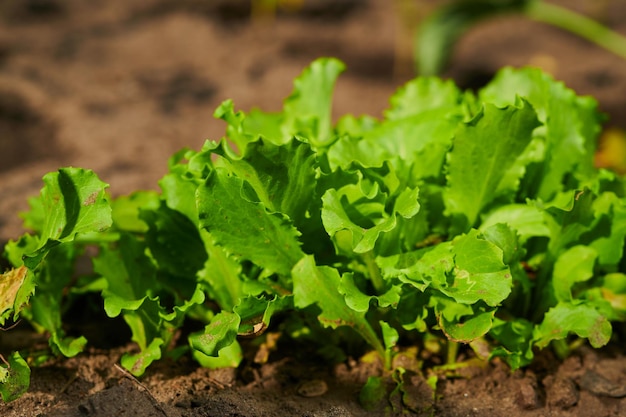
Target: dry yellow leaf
<point x="10" y="283"/>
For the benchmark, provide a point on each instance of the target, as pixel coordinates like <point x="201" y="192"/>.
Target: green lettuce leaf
<point x="359" y="301"/>
<point x="422" y="95"/>
<point x="483" y="151"/>
<point x="256" y="313"/>
<point x="570" y="127"/>
<point x="125" y="210"/>
<point x="565" y="318"/>
<point x="223" y="275"/>
<point x="308" y="109"/>
<point x="129" y="272"/>
<point x="136" y="364"/>
<point x="283" y="177"/>
<point x="245" y="228"/>
<point x="14" y="377"/>
<point x="318" y="285"/>
<point x="217" y="335"/>
<point x="47" y="304"/>
<point x="176" y="246"/>
<point x="610" y="213"/>
<point x="528" y="221"/>
<point x="461" y="322"/>
<point x="469" y="269"/>
<point x="228" y="357"/>
<point x="573" y="266"/>
<point x="75" y="202"/>
<point x="515" y="341"/>
<point x="357" y="213"/>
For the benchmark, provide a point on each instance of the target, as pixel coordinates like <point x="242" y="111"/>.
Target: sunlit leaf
<point x="11" y="283"/>
<point x="220" y="333"/>
<point x="566" y="318"/>
<point x="244" y="228"/>
<point x="14" y="377"/>
<point x="75" y="202"/>
<point x="483" y="151"/>
<point x="318" y="285"/>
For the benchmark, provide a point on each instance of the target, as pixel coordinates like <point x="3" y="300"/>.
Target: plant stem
<point x="374" y="272"/>
<point x="578" y="24"/>
<point x="452" y="352"/>
<point x="367" y="332"/>
<point x="561" y="348"/>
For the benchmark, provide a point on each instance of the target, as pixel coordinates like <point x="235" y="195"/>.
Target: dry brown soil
<point x="118" y="86"/>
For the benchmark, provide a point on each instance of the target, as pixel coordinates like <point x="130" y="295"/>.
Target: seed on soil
<point x="313" y="388"/>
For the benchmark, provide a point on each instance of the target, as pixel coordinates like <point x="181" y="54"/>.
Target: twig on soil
<point x="6" y="329"/>
<point x="142" y="387"/>
<point x="218" y="384"/>
<point x="68" y="383"/>
<point x="258" y="380"/>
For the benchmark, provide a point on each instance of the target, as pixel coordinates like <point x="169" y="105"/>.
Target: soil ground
<point x="118" y="86"/>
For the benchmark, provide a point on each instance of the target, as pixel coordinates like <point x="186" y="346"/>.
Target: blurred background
<point x="118" y="86"/>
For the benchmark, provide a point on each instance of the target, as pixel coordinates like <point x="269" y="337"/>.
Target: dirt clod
<point x="599" y="385"/>
<point x="562" y="392"/>
<point x="527" y="397"/>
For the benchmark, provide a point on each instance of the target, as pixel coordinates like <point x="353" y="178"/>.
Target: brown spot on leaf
<point x="91" y="199"/>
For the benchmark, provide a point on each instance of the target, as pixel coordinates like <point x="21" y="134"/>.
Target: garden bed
<point x="119" y="87"/>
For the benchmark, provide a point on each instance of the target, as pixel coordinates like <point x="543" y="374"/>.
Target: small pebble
<point x="313" y="388"/>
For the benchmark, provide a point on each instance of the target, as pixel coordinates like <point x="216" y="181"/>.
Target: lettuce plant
<point x="459" y="215"/>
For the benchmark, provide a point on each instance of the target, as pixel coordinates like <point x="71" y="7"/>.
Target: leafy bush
<point x="459" y="215"/>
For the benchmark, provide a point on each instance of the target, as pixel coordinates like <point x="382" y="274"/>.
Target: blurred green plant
<point x="438" y="34"/>
<point x="267" y="9"/>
